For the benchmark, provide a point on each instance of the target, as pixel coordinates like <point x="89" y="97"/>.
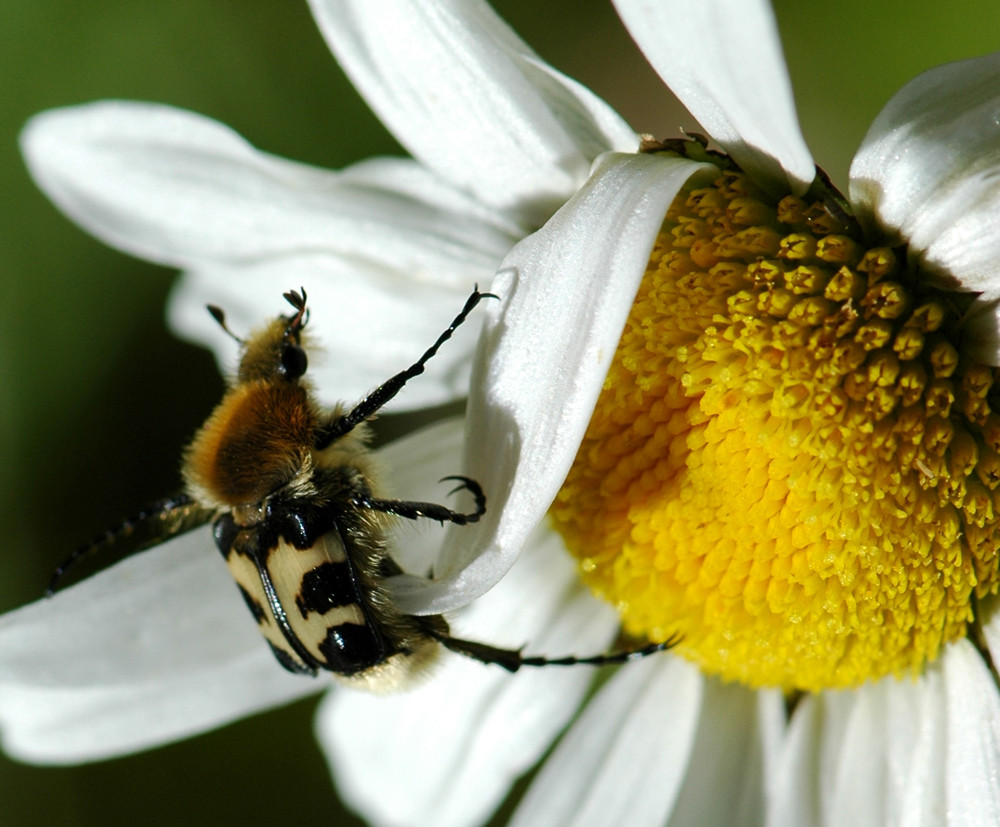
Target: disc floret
<point x="794" y="463"/>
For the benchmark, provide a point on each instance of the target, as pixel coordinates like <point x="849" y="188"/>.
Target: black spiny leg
<point x="387" y="390"/>
<point x="512" y="659"/>
<point x="157" y="522"/>
<point x="433" y="511"/>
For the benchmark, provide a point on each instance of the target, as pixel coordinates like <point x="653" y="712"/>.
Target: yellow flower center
<point x="792" y="464"/>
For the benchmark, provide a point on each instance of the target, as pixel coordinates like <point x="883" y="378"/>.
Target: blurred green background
<point x="96" y="397"/>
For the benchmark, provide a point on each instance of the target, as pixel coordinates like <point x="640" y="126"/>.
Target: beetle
<point x="289" y="490"/>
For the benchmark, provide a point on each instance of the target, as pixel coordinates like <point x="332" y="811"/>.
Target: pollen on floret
<point x="793" y="464"/>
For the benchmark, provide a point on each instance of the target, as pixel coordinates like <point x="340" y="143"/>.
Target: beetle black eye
<point x="293" y="362"/>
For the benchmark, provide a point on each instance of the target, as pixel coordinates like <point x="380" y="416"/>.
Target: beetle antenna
<point x="297" y="299"/>
<point x="219" y="315"/>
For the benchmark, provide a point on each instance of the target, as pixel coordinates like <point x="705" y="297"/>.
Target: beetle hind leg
<point x="513" y="659"/>
<point x="157" y="522"/>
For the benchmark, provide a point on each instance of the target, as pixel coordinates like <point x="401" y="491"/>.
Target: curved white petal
<point x="723" y="59"/>
<point x="874" y="755"/>
<point x="365" y="324"/>
<point x="181" y="189"/>
<point x="972" y="747"/>
<point x="624" y="760"/>
<point x="928" y="173"/>
<point x="157" y="648"/>
<point x="453" y="746"/>
<point x="470" y="100"/>
<point x="565" y="293"/>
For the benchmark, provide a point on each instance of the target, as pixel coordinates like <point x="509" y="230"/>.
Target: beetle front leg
<point x="413" y="510"/>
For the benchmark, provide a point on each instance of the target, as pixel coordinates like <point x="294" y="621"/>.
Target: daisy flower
<point x="759" y="414"/>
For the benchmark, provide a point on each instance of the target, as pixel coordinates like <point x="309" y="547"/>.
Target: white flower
<point x="505" y="145"/>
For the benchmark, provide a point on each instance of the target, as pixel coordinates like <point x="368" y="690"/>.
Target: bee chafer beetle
<point x="288" y="487"/>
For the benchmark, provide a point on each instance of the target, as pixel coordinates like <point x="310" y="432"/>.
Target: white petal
<point x="365" y="324"/>
<point x="624" y="760"/>
<point x="453" y="746"/>
<point x="467" y="98"/>
<point x="858" y="782"/>
<point x="154" y="649"/>
<point x="889" y="768"/>
<point x="183" y="190"/>
<point x="874" y="755"/>
<point x="723" y="59"/>
<point x="795" y="795"/>
<point x="46" y="725"/>
<point x="737" y="730"/>
<point x="972" y="756"/>
<point x="928" y="172"/>
<point x="418" y="184"/>
<point x="565" y="293"/>
<point x="915" y="735"/>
